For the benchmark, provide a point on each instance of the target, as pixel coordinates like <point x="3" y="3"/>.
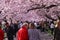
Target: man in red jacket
<point x="22" y="34"/>
<point x="1" y="34"/>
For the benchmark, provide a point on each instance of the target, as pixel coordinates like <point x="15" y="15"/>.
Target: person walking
<point x="15" y="28"/>
<point x="9" y="31"/>
<point x="52" y="27"/>
<point x="1" y="33"/>
<point x="22" y="33"/>
<point x="33" y="33"/>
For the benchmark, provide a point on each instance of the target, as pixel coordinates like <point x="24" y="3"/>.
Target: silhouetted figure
<point x="52" y="27"/>
<point x="9" y="31"/>
<point x="15" y="28"/>
<point x="20" y="24"/>
<point x="42" y="27"/>
<point x="12" y="25"/>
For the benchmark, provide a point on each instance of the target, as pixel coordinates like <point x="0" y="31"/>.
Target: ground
<point x="44" y="36"/>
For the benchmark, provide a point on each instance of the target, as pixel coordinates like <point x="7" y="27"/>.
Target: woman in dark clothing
<point x="9" y="31"/>
<point x="15" y="28"/>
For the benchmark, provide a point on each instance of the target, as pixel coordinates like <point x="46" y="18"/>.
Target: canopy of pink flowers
<point x="17" y="9"/>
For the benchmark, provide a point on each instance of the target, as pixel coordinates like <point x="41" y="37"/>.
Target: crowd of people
<point x="28" y="30"/>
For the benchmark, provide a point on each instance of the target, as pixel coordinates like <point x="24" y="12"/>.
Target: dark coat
<point x="9" y="32"/>
<point x="15" y="27"/>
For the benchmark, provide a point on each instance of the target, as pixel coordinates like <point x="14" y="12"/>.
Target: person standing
<point x="52" y="27"/>
<point x="1" y="33"/>
<point x="15" y="28"/>
<point x="9" y="31"/>
<point x="57" y="31"/>
<point x="42" y="25"/>
<point x="33" y="33"/>
<point x="22" y="33"/>
<point x="20" y="24"/>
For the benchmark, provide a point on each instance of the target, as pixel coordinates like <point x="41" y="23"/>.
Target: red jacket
<point x="1" y="34"/>
<point x="22" y="34"/>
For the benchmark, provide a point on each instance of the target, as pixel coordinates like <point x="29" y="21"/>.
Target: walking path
<point x="43" y="36"/>
<point x="46" y="36"/>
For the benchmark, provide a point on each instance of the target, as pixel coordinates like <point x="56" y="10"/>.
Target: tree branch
<point x="49" y="17"/>
<point x="36" y="8"/>
<point x="43" y="6"/>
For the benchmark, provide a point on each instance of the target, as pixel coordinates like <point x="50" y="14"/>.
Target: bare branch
<point x="36" y="8"/>
<point x="49" y="17"/>
<point x="43" y="6"/>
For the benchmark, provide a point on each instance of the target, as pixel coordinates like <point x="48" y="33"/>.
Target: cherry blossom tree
<point x="30" y="10"/>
